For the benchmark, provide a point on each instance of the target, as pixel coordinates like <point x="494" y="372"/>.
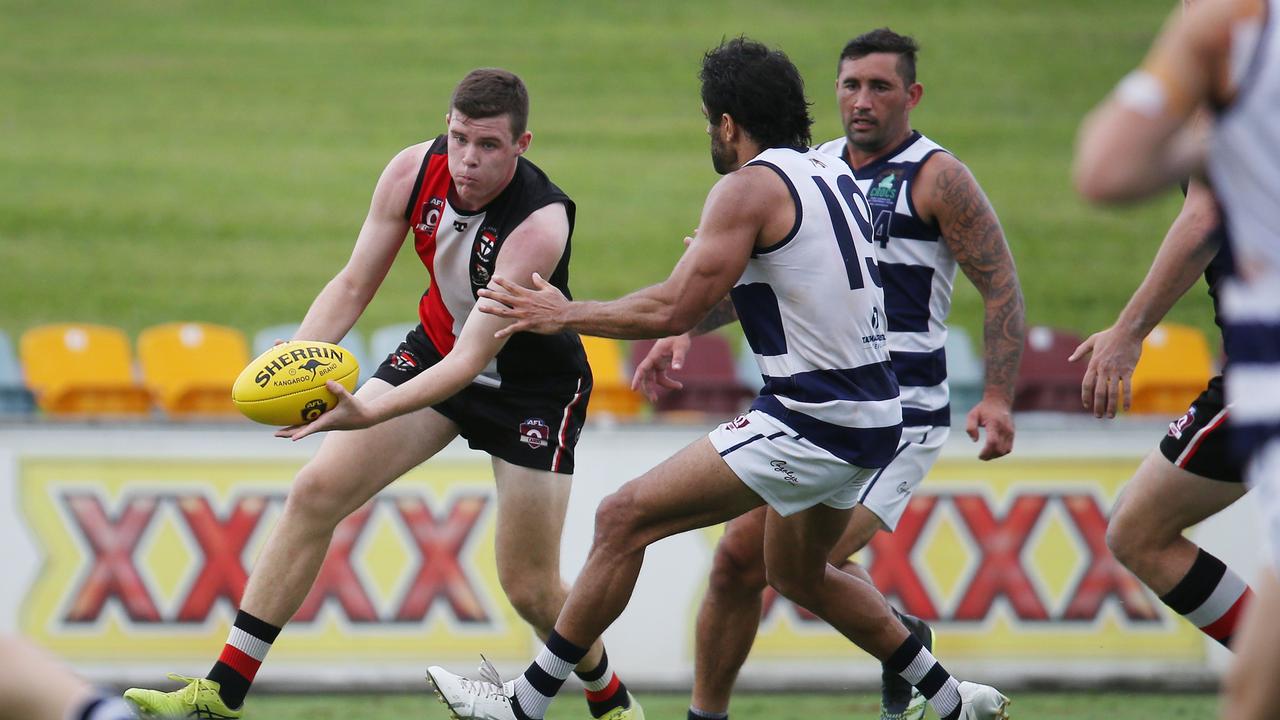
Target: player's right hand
<point x="1108" y="379"/>
<point x="651" y="373"/>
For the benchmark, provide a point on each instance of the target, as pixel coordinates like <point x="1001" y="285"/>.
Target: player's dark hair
<point x="760" y="89"/>
<point x="490" y="92"/>
<point x="884" y="40"/>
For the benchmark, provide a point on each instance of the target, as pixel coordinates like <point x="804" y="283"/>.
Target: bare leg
<point x="34" y="686"/>
<point x="796" y="552"/>
<point x="693" y="489"/>
<point x="1250" y="690"/>
<point x="531" y="512"/>
<point x="730" y="613"/>
<point x="349" y="468"/>
<point x="1158" y="504"/>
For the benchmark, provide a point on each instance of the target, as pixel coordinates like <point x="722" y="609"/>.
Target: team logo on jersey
<point x="1179" y="426"/>
<point x="876" y="338"/>
<point x="885" y="187"/>
<point x="403" y="360"/>
<point x="737" y="423"/>
<point x="486" y="243"/>
<point x="430" y="216"/>
<point x="459" y="226"/>
<point x="479" y="275"/>
<point x="534" y="433"/>
<point x="817" y="163"/>
<point x="780" y="466"/>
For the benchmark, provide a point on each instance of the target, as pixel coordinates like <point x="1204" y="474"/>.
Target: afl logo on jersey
<point x="430" y="215"/>
<point x="534" y="433"/>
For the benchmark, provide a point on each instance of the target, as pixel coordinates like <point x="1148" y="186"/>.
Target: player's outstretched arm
<point x="1113" y="353"/>
<point x="972" y="231"/>
<point x="1137" y="141"/>
<point x="338" y="306"/>
<point x="736" y="210"/>
<point x="535" y="246"/>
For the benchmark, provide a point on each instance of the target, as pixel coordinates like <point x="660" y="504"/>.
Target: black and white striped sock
<point x="917" y="666"/>
<point x="540" y="683"/>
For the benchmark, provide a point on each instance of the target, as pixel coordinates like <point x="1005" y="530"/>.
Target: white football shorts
<point x="889" y="491"/>
<point x="790" y="473"/>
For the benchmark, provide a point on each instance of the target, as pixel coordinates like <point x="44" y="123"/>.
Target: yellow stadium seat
<point x="82" y="369"/>
<point x="611" y="393"/>
<point x="1174" y="369"/>
<point x="191" y="366"/>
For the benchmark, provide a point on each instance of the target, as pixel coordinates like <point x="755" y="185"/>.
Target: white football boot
<point x="485" y="699"/>
<point x="982" y="702"/>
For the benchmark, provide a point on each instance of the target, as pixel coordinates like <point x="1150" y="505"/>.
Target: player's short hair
<point x="884" y="40"/>
<point x="760" y="89"/>
<point x="490" y="92"/>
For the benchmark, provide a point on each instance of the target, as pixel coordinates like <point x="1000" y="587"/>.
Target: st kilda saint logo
<point x="534" y="433"/>
<point x="483" y="254"/>
<point x="404" y="361"/>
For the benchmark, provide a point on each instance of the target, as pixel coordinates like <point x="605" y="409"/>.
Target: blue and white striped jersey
<point x="1244" y="150"/>
<point x="812" y="310"/>
<point x="919" y="273"/>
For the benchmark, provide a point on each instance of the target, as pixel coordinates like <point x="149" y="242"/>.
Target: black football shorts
<point x="1197" y="441"/>
<point x="533" y="427"/>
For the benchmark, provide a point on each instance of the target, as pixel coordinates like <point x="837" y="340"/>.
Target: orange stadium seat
<point x="191" y="366"/>
<point x="78" y="369"/>
<point x="611" y="392"/>
<point x="1175" y="367"/>
<point x="1046" y="381"/>
<point x="710" y="378"/>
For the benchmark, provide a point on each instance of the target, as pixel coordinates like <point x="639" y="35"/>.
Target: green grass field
<point x="1030" y="706"/>
<point x="213" y="160"/>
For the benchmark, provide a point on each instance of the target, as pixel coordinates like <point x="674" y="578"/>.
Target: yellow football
<point x="285" y="385"/>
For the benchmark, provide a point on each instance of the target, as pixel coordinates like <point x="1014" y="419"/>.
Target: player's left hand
<point x="540" y="309"/>
<point x="348" y="414"/>
<point x="994" y="415"/>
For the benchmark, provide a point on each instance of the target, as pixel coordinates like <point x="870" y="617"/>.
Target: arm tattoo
<point x="972" y="232"/>
<point x="722" y="314"/>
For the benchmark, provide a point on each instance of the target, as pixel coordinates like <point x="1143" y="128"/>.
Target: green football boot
<point x="632" y="712"/>
<point x="199" y="700"/>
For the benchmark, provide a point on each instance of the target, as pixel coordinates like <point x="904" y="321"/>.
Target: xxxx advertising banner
<point x="127" y="552"/>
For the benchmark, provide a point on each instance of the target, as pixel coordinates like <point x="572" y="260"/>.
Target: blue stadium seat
<point x="386" y="339"/>
<point x="965" y="373"/>
<point x="267" y="336"/>
<point x="15" y="398"/>
<point x="748" y="369"/>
